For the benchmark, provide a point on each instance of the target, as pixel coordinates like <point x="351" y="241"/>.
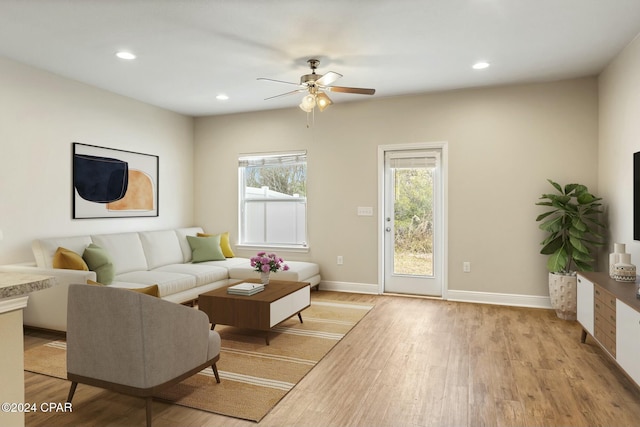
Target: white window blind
<point x="273" y="199"/>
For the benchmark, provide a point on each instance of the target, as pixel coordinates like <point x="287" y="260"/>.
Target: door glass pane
<point x="413" y="221"/>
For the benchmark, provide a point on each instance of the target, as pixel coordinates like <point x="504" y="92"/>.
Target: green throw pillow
<point x="225" y="245"/>
<point x="98" y="260"/>
<point x="205" y="248"/>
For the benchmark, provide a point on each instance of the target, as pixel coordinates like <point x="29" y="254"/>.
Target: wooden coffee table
<point x="279" y="301"/>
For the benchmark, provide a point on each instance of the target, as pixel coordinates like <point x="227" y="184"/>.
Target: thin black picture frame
<point x="113" y="183"/>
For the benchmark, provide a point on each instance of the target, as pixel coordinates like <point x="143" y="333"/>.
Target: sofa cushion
<point x="205" y="248"/>
<point x="161" y="248"/>
<point x="45" y="249"/>
<point x="182" y="234"/>
<point x="69" y="260"/>
<point x="298" y="271"/>
<point x="168" y="283"/>
<point x="98" y="260"/>
<point x="125" y="250"/>
<point x="228" y="262"/>
<point x="203" y="273"/>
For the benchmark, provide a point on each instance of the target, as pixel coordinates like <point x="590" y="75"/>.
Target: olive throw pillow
<point x="205" y="248"/>
<point x="225" y="246"/>
<point x="69" y="260"/>
<point x="98" y="260"/>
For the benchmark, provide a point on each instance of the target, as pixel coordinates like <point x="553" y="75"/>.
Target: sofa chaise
<point x="140" y="259"/>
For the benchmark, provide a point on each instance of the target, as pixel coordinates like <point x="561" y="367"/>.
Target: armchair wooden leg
<point x="72" y="391"/>
<point x="149" y="405"/>
<point x="215" y="372"/>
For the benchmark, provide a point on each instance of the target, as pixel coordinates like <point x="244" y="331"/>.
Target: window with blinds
<point x="273" y="199"/>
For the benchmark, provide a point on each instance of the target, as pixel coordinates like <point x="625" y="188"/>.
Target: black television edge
<point x="636" y="196"/>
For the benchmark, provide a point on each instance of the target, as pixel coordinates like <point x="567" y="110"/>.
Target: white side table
<point x="14" y="290"/>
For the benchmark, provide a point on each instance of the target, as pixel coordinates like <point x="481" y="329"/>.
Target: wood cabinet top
<point x="624" y="291"/>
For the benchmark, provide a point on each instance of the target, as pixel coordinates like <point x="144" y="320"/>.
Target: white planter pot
<point x="562" y="290"/>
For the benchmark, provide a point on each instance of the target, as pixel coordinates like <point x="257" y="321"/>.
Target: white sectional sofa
<point x="140" y="259"/>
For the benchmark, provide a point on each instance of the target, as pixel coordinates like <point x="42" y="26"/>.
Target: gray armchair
<point x="133" y="343"/>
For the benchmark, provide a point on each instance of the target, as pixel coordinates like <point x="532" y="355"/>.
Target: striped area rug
<point x="254" y="376"/>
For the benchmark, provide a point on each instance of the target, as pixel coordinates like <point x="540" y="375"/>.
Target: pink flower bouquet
<point x="265" y="263"/>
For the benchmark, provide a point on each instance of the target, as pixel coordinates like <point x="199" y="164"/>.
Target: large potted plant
<point x="574" y="231"/>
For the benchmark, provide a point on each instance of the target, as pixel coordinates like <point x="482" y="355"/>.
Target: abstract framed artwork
<point x="111" y="183"/>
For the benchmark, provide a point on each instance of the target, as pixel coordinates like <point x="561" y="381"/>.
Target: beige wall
<point x="619" y="138"/>
<point x="41" y="114"/>
<point x="504" y="142"/>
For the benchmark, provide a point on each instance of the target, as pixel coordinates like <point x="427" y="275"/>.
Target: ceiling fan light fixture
<point x="309" y="102"/>
<point x="305" y="109"/>
<point x="323" y="101"/>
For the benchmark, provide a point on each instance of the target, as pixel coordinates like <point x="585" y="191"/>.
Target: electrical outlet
<point x="466" y="267"/>
<point x="340" y="260"/>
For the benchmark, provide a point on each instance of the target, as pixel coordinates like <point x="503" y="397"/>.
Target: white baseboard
<point x="515" y="300"/>
<point x="358" y="288"/>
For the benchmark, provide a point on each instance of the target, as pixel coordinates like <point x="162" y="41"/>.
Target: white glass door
<point x="413" y="237"/>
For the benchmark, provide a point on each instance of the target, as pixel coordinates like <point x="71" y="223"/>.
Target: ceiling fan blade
<point x="358" y="90"/>
<point x="328" y="78"/>
<point x="287" y="93"/>
<point x="278" y="81"/>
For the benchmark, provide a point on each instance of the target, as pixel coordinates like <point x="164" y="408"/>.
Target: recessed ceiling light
<point x="480" y="65"/>
<point x="125" y="55"/>
<point x="222" y="97"/>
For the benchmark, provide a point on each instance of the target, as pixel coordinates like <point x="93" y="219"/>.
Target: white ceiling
<point x="189" y="51"/>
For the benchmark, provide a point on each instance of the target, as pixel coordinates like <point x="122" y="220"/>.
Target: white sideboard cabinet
<point x="610" y="312"/>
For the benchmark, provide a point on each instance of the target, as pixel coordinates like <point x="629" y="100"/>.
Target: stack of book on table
<point x="245" y="289"/>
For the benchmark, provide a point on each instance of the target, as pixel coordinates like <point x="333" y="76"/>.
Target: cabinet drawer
<point x="610" y="346"/>
<point x="600" y="308"/>
<point x="604" y="312"/>
<point x="610" y="316"/>
<point x="605" y="297"/>
<point x="606" y="336"/>
<point x="600" y="335"/>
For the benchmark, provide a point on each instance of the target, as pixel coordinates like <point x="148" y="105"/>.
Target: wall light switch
<point x="365" y="211"/>
<point x="340" y="260"/>
<point x="466" y="267"/>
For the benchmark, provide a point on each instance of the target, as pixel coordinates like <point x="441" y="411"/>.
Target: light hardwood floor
<point x="411" y="362"/>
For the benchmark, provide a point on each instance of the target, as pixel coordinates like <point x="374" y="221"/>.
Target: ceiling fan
<point x="315" y="85"/>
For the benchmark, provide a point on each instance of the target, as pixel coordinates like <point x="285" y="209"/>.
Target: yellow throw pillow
<point x="225" y="245"/>
<point x="69" y="260"/>
<point x="149" y="290"/>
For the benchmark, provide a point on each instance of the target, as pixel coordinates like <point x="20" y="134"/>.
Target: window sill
<point x="267" y="247"/>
